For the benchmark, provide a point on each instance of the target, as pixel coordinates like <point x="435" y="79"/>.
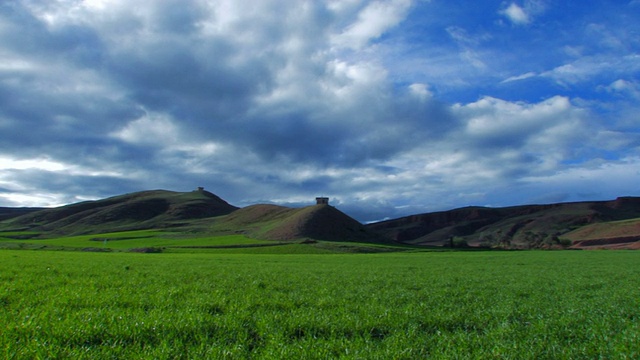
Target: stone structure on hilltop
<point x="322" y="201"/>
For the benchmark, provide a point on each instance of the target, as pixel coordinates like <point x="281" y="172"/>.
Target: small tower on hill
<point x="322" y="201"/>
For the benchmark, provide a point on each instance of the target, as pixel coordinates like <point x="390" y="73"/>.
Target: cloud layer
<point x="282" y="101"/>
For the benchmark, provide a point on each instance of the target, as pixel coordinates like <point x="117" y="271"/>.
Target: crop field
<point x="409" y="305"/>
<point x="183" y="242"/>
<point x="126" y="240"/>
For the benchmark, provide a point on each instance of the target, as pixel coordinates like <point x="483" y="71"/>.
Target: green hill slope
<point x="8" y="212"/>
<point x="608" y="224"/>
<point x="140" y="210"/>
<point x="317" y="222"/>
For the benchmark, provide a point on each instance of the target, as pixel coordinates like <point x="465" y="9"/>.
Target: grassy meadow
<point x="404" y="305"/>
<point x="126" y="240"/>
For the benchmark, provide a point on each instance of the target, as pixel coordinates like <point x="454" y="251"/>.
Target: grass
<point x="182" y="241"/>
<point x="126" y="240"/>
<point x="441" y="305"/>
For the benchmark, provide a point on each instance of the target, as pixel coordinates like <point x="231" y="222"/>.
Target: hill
<point x="528" y="226"/>
<point x="9" y="212"/>
<point x="317" y="222"/>
<point x="596" y="224"/>
<point x="623" y="234"/>
<point x="140" y="210"/>
<point x="198" y="213"/>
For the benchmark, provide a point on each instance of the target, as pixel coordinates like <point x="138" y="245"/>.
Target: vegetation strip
<point x="441" y="305"/>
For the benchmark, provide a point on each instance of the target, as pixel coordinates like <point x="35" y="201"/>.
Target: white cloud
<point x="495" y="118"/>
<point x="590" y="67"/>
<point x="45" y="164"/>
<point x="151" y="129"/>
<point x="421" y="90"/>
<point x="524" y="76"/>
<point x="287" y="100"/>
<point x="523" y="15"/>
<point x="516" y="14"/>
<point x="34" y="199"/>
<point x="375" y="19"/>
<point x="624" y="87"/>
<point x="41" y="163"/>
<point x="621" y="176"/>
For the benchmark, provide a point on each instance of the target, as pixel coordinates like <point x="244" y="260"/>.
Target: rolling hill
<point x="198" y="212"/>
<point x="9" y="212"/>
<point x="140" y="210"/>
<point x="528" y="226"/>
<point x="318" y="222"/>
<point x="596" y="224"/>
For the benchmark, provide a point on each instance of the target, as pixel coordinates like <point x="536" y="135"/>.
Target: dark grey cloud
<point x="280" y="102"/>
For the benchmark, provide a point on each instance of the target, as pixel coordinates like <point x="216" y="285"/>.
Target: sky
<point x="387" y="107"/>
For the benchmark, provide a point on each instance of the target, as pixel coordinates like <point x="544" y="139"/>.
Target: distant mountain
<point x="527" y="226"/>
<point x="140" y="210"/>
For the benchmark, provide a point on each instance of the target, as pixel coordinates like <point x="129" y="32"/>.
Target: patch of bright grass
<point x="442" y="305"/>
<point x="136" y="239"/>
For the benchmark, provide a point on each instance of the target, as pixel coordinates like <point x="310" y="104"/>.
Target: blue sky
<point x="389" y="108"/>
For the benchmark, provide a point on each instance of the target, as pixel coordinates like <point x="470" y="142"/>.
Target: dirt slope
<point x="624" y="234"/>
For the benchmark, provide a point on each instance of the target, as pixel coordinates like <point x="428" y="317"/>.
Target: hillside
<point x="9" y="212"/>
<point x="197" y="212"/>
<point x="596" y="224"/>
<point x="528" y="226"/>
<point x="317" y="222"/>
<point x="623" y="234"/>
<point x="140" y="210"/>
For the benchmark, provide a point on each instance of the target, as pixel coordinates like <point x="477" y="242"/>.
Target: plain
<point x="483" y="304"/>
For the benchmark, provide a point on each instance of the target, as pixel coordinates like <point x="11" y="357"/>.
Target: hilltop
<point x="595" y="224"/>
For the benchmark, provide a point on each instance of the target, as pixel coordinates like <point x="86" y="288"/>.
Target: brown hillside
<point x="318" y="222"/>
<point x="527" y="226"/>
<point x="259" y="213"/>
<point x="623" y="234"/>
<point x="321" y="222"/>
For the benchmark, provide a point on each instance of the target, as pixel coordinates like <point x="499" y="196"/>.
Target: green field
<point x="183" y="242"/>
<point x="441" y="305"/>
<point x="127" y="240"/>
